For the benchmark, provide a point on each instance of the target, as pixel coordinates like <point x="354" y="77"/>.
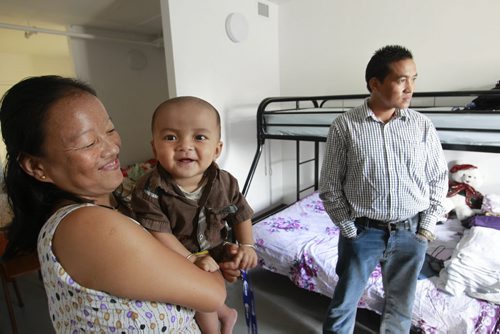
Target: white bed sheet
<point x="301" y="242"/>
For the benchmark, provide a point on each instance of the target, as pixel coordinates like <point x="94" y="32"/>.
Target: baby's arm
<point x="246" y="256"/>
<point x="203" y="261"/>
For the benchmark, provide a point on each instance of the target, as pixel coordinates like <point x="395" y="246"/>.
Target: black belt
<point x="393" y="226"/>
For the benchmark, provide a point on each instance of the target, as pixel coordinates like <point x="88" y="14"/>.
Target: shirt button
<point x="201" y="236"/>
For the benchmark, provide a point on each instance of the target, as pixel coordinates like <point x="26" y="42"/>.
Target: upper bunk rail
<point x="468" y="130"/>
<point x="271" y="110"/>
<point x="432" y="104"/>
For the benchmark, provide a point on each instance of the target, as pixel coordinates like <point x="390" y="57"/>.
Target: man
<point x="383" y="180"/>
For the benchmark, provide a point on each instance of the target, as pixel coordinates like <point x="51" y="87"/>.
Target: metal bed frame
<point x="273" y="105"/>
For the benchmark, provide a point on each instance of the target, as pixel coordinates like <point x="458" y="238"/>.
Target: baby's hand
<point x="207" y="263"/>
<point x="246" y="257"/>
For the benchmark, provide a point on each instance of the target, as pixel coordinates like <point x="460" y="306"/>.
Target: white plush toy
<point x="463" y="196"/>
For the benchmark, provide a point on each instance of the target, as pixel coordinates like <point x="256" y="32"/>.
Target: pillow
<point x="485" y="221"/>
<point x="133" y="172"/>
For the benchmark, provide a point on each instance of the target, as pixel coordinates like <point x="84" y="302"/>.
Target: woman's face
<point x="81" y="147"/>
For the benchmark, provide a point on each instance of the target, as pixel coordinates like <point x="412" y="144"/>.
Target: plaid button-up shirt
<point x="385" y="171"/>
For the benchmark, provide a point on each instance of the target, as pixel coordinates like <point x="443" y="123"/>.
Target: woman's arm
<point x="205" y="262"/>
<point x="104" y="250"/>
<point x="169" y="240"/>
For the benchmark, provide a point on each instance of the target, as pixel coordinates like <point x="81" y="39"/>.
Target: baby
<point x="187" y="202"/>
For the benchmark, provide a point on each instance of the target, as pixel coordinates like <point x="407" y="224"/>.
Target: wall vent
<point x="263" y="9"/>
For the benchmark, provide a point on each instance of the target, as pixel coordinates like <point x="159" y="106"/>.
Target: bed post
<point x="297" y="181"/>
<point x="316" y="165"/>
<point x="260" y="143"/>
<point x="253" y="168"/>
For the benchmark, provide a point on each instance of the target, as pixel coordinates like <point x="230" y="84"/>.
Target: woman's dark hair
<point x="23" y="113"/>
<point x="379" y="65"/>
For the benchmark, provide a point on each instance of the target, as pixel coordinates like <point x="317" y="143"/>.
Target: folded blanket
<point x="474" y="267"/>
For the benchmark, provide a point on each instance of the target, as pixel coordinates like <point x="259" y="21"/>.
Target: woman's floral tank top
<point x="76" y="309"/>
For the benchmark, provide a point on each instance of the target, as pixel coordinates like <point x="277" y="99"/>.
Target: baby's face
<point x="186" y="140"/>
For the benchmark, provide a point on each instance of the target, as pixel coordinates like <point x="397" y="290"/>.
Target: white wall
<point x="325" y="46"/>
<point x="130" y="92"/>
<point x="234" y="77"/>
<point x="22" y="57"/>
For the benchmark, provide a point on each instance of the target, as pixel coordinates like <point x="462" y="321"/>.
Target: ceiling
<point x="130" y="16"/>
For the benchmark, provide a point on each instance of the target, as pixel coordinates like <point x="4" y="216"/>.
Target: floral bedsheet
<point x="301" y="242"/>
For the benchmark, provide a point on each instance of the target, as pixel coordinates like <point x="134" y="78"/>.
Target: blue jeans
<point x="401" y="255"/>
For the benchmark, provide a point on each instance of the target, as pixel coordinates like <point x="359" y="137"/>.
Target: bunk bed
<point x="299" y="240"/>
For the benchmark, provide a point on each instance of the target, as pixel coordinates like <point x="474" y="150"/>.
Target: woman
<point x="101" y="270"/>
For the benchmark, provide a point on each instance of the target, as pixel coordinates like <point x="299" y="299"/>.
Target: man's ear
<point x="33" y="167"/>
<point x="218" y="149"/>
<point x="374" y="84"/>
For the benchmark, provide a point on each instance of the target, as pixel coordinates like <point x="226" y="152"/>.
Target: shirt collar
<point x="399" y="113"/>
<point x="162" y="179"/>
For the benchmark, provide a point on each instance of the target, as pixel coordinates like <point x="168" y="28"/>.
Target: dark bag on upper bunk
<point x="486" y="102"/>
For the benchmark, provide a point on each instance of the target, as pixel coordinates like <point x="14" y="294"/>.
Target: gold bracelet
<point x="248" y="245"/>
<point x="426" y="234"/>
<point x="196" y="254"/>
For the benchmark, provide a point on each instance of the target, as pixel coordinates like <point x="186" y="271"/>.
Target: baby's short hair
<point x="186" y="99"/>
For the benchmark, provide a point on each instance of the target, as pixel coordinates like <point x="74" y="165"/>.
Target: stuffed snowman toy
<point x="463" y="196"/>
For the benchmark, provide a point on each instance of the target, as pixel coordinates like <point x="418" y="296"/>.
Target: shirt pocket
<point x="419" y="152"/>
<point x="414" y="156"/>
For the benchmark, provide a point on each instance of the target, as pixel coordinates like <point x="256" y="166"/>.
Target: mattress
<point x="300" y="242"/>
<point x="458" y="129"/>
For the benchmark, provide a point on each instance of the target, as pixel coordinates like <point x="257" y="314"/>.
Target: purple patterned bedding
<point x="301" y="242"/>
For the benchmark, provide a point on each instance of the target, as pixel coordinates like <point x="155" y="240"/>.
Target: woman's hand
<point x="207" y="263"/>
<point x="230" y="269"/>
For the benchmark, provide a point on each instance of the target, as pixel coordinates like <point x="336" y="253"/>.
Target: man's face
<point x="397" y="88"/>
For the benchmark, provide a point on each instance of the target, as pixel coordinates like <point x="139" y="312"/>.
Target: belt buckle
<point x="400" y="225"/>
<point x="408" y="224"/>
